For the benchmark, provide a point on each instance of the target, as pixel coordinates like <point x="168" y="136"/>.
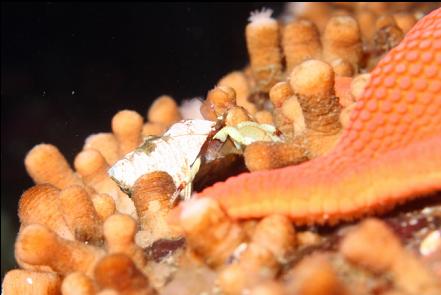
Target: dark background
<point x="67" y="68"/>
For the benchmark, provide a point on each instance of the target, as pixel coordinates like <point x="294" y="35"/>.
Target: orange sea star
<point x="389" y="153"/>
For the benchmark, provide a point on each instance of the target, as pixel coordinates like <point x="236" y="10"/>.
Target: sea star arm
<point x="389" y="153"/>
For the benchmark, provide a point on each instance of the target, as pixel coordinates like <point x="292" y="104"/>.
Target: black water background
<point x="67" y="68"/>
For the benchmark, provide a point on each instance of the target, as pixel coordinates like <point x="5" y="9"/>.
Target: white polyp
<point x="261" y="17"/>
<point x="190" y="109"/>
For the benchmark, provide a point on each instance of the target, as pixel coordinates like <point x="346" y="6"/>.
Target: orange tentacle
<point x="389" y="153"/>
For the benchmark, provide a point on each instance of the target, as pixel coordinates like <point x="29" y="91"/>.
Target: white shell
<point x="174" y="152"/>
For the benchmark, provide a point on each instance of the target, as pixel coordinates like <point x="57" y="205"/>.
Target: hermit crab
<point x="178" y="152"/>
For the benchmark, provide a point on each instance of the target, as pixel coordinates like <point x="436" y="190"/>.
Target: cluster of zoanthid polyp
<point x="367" y="14"/>
<point x="262" y="257"/>
<point x="305" y="75"/>
<point x="81" y="234"/>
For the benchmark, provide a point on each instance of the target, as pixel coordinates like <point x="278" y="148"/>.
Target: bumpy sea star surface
<point x="389" y="153"/>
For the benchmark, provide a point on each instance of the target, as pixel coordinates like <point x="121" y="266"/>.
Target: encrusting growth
<point x="272" y="243"/>
<point x="77" y="283"/>
<point x="256" y="264"/>
<point x="405" y="21"/>
<point x="118" y="272"/>
<point x="222" y="98"/>
<point x="301" y="41"/>
<point x="219" y="101"/>
<point x="41" y="204"/>
<point x="45" y="164"/>
<point x="92" y="167"/>
<point x="80" y="215"/>
<point x="279" y="93"/>
<point x="366" y="14"/>
<point x="127" y="127"/>
<point x="342" y="68"/>
<point x="104" y="205"/>
<point x="408" y="274"/>
<point x="37" y="245"/>
<point x="204" y="218"/>
<point x="287" y="118"/>
<point x="151" y="195"/>
<point x="276" y="233"/>
<point x="268" y="288"/>
<point x="316" y="12"/>
<point x="387" y="36"/>
<point x="315" y="275"/>
<point x="106" y="144"/>
<point x="152" y="129"/>
<point x="358" y="85"/>
<point x="292" y="110"/>
<point x="164" y="111"/>
<point x="271" y="155"/>
<point x="342" y="41"/>
<point x="239" y="82"/>
<point x="19" y="282"/>
<point x="345" y="115"/>
<point x="313" y="83"/>
<point x="388" y="33"/>
<point x="262" y="36"/>
<point x="119" y="232"/>
<point x="366" y="20"/>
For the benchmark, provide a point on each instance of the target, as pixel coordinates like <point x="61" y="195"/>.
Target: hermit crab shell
<point x="174" y="152"/>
